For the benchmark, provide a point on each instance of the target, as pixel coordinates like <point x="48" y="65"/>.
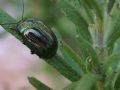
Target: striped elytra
<point x="40" y="35"/>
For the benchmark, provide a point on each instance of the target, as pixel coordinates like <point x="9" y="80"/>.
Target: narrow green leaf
<point x="115" y="33"/>
<point x="112" y="61"/>
<point x="5" y="18"/>
<point x="115" y="11"/>
<point x="109" y="82"/>
<point x="85" y="83"/>
<point x="93" y="4"/>
<point x="72" y="14"/>
<point x="76" y="18"/>
<point x="64" y="68"/>
<point x="113" y="75"/>
<point x="117" y="82"/>
<point x="110" y="5"/>
<point x="73" y="58"/>
<point x="88" y="11"/>
<point x="89" y="53"/>
<point x="37" y="84"/>
<point x="86" y="2"/>
<point x="111" y="68"/>
<point x="112" y="30"/>
<point x="74" y="3"/>
<point x="113" y="81"/>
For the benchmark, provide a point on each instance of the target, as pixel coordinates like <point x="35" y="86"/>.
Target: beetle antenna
<point x="21" y="16"/>
<point x="22" y="9"/>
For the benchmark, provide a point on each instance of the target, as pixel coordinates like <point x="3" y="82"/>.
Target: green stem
<point x="100" y="48"/>
<point x="57" y="61"/>
<point x="65" y="69"/>
<point x="5" y="18"/>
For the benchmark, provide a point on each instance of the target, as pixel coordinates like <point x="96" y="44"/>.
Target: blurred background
<point x="16" y="62"/>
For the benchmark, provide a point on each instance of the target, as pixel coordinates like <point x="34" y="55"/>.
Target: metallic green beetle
<point x="39" y="35"/>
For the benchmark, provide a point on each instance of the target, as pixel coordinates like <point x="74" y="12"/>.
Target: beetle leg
<point x="32" y="52"/>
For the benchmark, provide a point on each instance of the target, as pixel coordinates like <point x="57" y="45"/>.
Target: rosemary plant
<point x="97" y="24"/>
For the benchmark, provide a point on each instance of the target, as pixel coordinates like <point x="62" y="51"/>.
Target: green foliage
<point x="112" y="61"/>
<point x="37" y="84"/>
<point x="64" y="68"/>
<point x="76" y="18"/>
<point x="97" y="24"/>
<point x="75" y="61"/>
<point x="115" y="32"/>
<point x="93" y="4"/>
<point x="92" y="56"/>
<point x="86" y="83"/>
<point x="5" y="18"/>
<point x="117" y="81"/>
<point x="110" y="5"/>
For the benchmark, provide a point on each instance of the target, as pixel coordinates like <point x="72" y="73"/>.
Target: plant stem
<point x="100" y="48"/>
<point x="99" y="85"/>
<point x="5" y="18"/>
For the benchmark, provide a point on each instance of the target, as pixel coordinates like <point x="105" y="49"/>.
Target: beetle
<point x="38" y="35"/>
